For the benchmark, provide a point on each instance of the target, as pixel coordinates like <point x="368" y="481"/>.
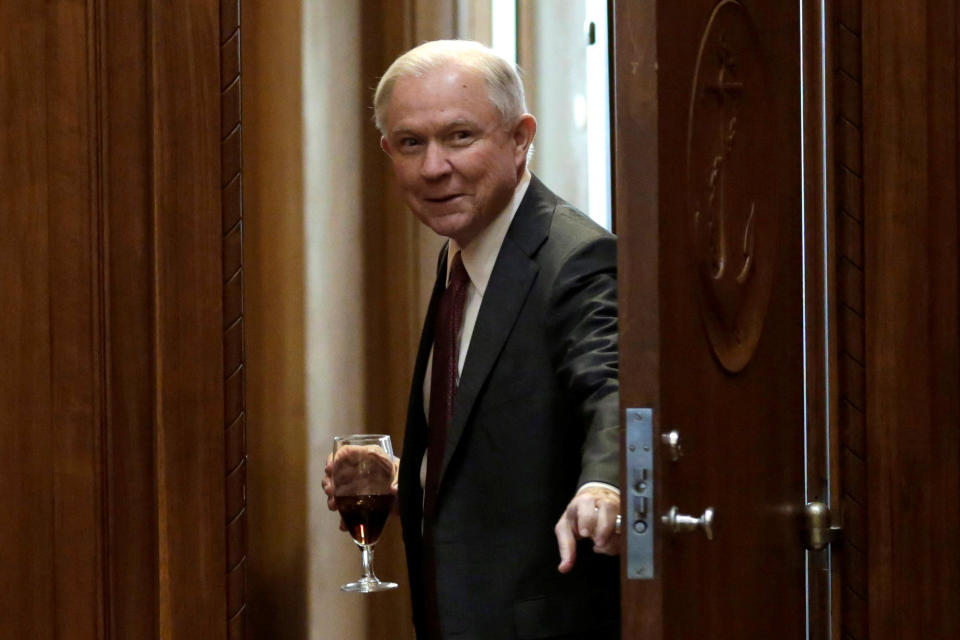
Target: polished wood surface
<point x="51" y="389"/>
<point x="912" y="354"/>
<point x="187" y="244"/>
<point x="112" y="404"/>
<point x="130" y="461"/>
<point x="739" y="409"/>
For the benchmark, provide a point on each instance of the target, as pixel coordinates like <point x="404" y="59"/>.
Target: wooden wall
<point x="51" y="330"/>
<point x="897" y="182"/>
<point x="911" y="276"/>
<point x="120" y="321"/>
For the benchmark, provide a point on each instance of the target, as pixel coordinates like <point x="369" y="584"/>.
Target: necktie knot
<point x="458" y="273"/>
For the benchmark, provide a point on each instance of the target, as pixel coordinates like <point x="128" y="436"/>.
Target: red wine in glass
<point x="363" y="478"/>
<point x="365" y="515"/>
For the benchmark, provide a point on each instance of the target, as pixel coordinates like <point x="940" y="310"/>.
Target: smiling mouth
<point x="443" y="199"/>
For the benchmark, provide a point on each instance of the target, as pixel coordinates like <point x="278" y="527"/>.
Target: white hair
<point x="504" y="86"/>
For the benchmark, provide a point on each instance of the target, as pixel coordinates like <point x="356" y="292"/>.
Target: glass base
<point x="366" y="585"/>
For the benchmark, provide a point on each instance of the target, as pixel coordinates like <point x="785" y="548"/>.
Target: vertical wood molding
<point x="848" y="239"/>
<point x="910" y="189"/>
<point x="235" y="446"/>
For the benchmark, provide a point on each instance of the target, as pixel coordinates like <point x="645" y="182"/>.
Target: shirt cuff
<point x="602" y="485"/>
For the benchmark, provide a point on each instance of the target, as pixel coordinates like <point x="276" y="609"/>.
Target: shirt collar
<point x="481" y="254"/>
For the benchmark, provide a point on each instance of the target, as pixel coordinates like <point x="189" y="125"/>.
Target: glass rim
<point x="361" y="436"/>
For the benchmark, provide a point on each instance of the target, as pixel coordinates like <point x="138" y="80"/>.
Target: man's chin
<point x="449" y="225"/>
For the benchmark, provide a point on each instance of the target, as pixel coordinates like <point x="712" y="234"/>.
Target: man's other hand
<point x="591" y="514"/>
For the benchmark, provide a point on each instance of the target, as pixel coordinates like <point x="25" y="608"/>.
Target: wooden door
<point x="708" y="198"/>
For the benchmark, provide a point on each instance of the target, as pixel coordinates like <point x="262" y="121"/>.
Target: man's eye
<point x="461" y="135"/>
<point x="409" y="142"/>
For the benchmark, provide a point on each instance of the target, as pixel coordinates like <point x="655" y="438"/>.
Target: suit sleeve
<point x="582" y="325"/>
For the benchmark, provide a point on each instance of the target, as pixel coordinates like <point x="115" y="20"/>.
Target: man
<point x="510" y="454"/>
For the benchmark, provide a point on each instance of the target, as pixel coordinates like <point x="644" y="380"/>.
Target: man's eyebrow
<point x="402" y="131"/>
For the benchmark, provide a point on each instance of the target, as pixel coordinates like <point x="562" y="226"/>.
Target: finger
<point x="327" y="484"/>
<point x="606" y="520"/>
<point x="586" y="518"/>
<point x="612" y="545"/>
<point x="567" y="543"/>
<point x="611" y="548"/>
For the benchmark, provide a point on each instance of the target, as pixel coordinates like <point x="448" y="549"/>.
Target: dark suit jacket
<point x="535" y="416"/>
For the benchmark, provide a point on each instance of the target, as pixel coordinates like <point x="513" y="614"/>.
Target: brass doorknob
<point x="676" y="522"/>
<point x="819" y="530"/>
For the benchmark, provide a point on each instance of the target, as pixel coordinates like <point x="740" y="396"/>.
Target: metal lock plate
<point x="638" y="494"/>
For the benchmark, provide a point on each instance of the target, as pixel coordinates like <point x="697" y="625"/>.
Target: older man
<point x="510" y="455"/>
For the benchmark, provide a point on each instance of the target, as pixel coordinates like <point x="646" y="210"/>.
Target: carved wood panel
<point x="732" y="208"/>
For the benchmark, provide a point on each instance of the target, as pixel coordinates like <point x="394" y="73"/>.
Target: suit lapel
<point x="510" y="282"/>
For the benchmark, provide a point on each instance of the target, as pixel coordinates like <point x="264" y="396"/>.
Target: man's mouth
<point x="443" y="199"/>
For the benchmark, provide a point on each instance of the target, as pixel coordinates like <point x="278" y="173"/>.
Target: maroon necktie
<point x="443" y="380"/>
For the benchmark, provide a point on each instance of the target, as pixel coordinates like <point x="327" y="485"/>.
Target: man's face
<point x="456" y="162"/>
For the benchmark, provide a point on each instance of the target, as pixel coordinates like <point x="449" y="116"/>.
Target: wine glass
<point x="363" y="475"/>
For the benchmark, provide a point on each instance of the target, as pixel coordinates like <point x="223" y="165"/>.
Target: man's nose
<point x="435" y="162"/>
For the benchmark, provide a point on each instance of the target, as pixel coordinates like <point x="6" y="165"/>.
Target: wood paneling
<point x="188" y="176"/>
<point x="910" y="186"/>
<point x="112" y="472"/>
<point x="50" y="333"/>
<point x="128" y="271"/>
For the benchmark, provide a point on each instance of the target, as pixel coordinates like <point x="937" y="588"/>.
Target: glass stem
<point x="367" y="558"/>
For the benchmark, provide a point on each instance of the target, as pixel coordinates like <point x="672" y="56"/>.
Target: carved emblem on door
<point x="731" y="179"/>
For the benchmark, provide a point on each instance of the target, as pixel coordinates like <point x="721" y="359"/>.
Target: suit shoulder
<point x="571" y="230"/>
<point x="567" y="216"/>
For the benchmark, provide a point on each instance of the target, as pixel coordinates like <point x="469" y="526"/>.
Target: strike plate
<point x="638" y="494"/>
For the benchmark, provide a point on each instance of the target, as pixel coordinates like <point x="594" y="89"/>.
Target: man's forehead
<point x="441" y="97"/>
<point x="451" y="77"/>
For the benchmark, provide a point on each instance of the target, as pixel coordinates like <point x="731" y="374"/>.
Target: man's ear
<point x="385" y="145"/>
<point x="523" y="133"/>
